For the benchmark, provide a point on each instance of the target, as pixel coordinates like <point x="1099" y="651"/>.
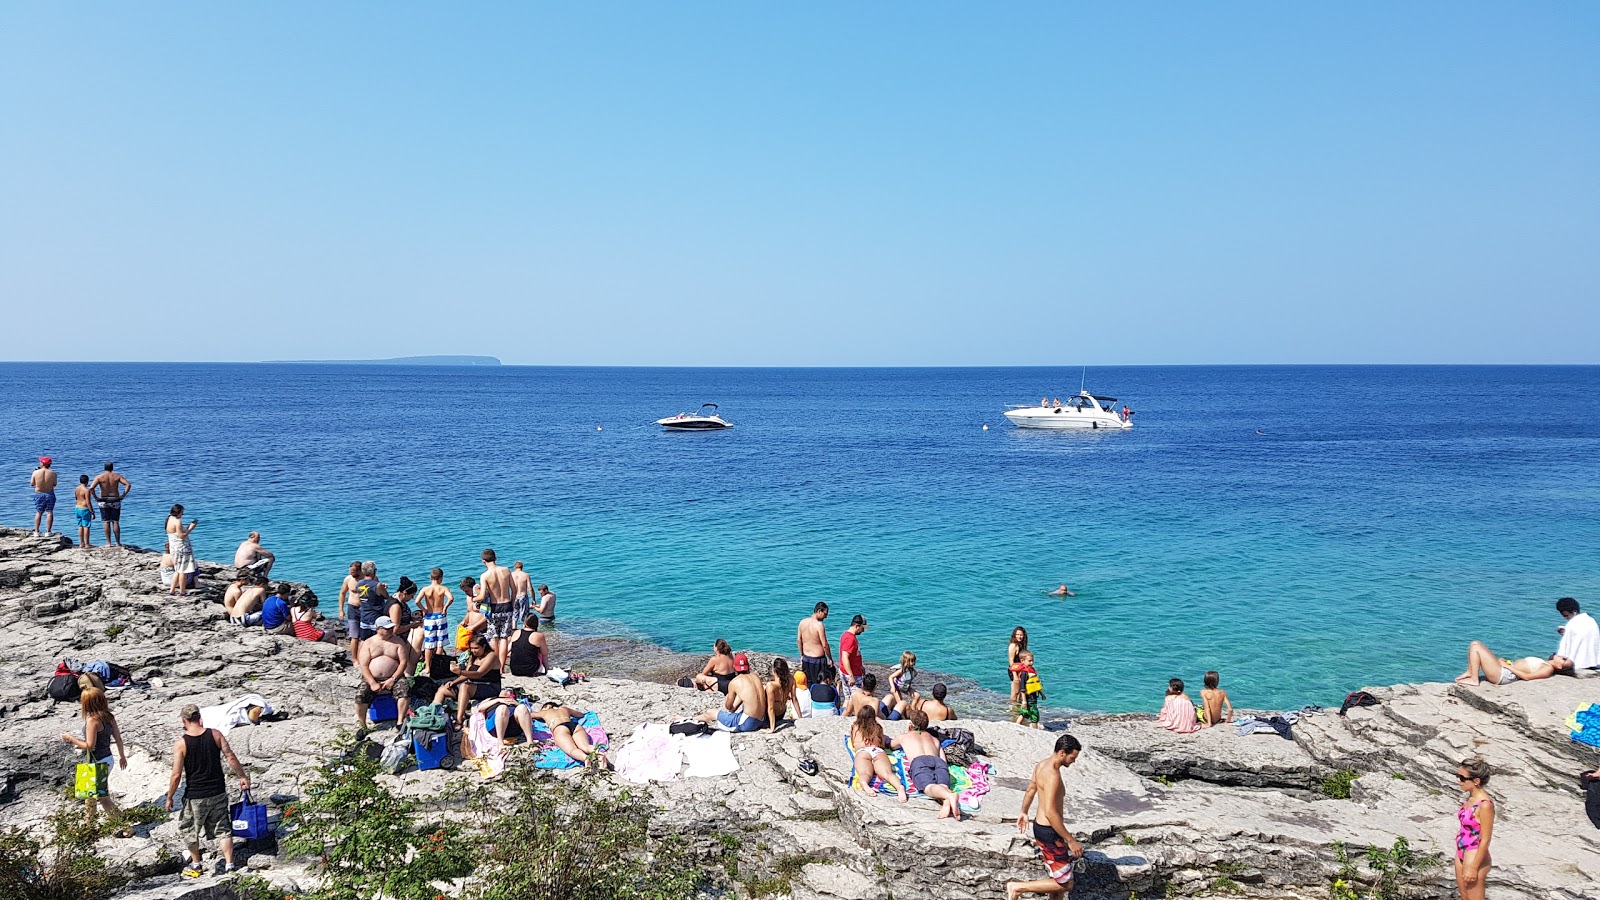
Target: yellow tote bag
<point x="86" y="783"/>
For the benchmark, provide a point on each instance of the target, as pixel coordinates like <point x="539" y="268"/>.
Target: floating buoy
<point x="598" y="428"/>
<point x="986" y="426"/>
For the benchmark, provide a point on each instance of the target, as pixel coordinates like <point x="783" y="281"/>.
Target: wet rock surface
<point x="1158" y="813"/>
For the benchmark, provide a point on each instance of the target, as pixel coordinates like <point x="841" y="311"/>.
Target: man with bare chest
<point x="1059" y="848"/>
<point x="44" y="497"/>
<point x="498" y="588"/>
<point x="110" y="488"/>
<point x="384" y="661"/>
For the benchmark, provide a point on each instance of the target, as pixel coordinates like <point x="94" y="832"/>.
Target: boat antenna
<point x="1084" y="379"/>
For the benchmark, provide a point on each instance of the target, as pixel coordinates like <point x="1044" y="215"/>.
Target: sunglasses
<point x="1461" y="777"/>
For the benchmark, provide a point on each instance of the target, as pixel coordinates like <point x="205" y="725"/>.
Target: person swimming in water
<point x="1062" y="591"/>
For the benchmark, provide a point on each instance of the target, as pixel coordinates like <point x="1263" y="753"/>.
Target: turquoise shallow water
<point x="1385" y="517"/>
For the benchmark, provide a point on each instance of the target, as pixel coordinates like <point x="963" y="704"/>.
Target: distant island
<point x="399" y="361"/>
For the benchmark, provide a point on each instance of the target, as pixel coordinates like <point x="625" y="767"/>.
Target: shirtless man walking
<point x="384" y="661"/>
<point x="111" y="489"/>
<point x="498" y="588"/>
<point x="43" y="480"/>
<point x="926" y="766"/>
<point x="745" y="707"/>
<point x="1056" y="843"/>
<point x="815" y="651"/>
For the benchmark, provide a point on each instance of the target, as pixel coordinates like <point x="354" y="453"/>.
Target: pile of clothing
<point x="1278" y="723"/>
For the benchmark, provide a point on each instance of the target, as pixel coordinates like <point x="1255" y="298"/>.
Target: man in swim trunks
<point x="926" y="767"/>
<point x="812" y="639"/>
<point x="498" y="589"/>
<point x="110" y="489"/>
<point x="43" y="480"/>
<point x="83" y="511"/>
<point x="521" y="591"/>
<point x="385" y="661"/>
<point x="1059" y="848"/>
<point x="745" y="707"/>
<point x="436" y="600"/>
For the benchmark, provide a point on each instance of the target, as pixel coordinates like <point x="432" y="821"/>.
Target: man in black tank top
<point x="197" y="756"/>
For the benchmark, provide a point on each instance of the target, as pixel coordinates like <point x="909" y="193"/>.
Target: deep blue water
<point x="1387" y="515"/>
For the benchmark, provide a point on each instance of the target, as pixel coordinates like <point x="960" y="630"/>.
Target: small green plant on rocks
<point x="64" y="865"/>
<point x="1394" y="870"/>
<point x="1337" y="785"/>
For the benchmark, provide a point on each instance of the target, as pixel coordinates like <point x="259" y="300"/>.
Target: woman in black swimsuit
<point x="480" y="679"/>
<point x="719" y="670"/>
<point x="568" y="735"/>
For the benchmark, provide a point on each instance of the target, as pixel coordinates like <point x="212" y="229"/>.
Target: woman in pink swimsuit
<point x="1477" y="826"/>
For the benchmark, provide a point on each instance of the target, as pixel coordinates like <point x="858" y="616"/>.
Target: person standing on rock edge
<point x="522" y="589"/>
<point x="44" y="496"/>
<point x="111" y="489"/>
<point x="348" y="609"/>
<point x="1059" y="848"/>
<point x="812" y="640"/>
<point x="83" y="510"/>
<point x="850" y="665"/>
<point x="499" y="592"/>
<point x="1476" y="817"/>
<point x="182" y="551"/>
<point x="197" y="757"/>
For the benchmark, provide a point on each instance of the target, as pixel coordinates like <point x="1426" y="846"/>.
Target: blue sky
<point x="826" y="184"/>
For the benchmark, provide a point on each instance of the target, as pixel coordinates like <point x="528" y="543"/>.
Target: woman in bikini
<point x="1476" y="816"/>
<point x="867" y="743"/>
<point x="780" y="694"/>
<point x="1504" y="671"/>
<point x="1019" y="643"/>
<point x="569" y="735"/>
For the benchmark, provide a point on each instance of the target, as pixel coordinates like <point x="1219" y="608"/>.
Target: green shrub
<point x="63" y="866"/>
<point x="1337" y="785"/>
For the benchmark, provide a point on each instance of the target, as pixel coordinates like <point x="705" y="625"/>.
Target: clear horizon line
<point x="503" y="364"/>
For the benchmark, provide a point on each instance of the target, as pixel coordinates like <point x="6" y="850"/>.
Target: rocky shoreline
<point x="1159" y="814"/>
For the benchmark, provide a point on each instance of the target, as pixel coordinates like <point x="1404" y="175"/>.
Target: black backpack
<point x="64" y="688"/>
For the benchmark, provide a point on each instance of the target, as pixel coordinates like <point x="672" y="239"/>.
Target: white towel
<point x="709" y="755"/>
<point x="226" y="716"/>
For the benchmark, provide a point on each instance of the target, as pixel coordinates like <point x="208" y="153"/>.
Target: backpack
<point x="63" y="688"/>
<point x="1357" y="698"/>
<point x="957" y="755"/>
<point x="688" y="727"/>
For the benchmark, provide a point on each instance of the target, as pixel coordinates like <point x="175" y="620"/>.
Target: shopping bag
<point x="249" y="819"/>
<point x="86" y="781"/>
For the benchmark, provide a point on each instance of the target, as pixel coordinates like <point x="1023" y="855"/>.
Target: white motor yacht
<point x="1084" y="411"/>
<point x="702" y="420"/>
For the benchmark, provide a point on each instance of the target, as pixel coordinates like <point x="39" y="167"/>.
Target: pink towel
<point x="1177" y="714"/>
<point x="487" y="749"/>
<point x="971" y="799"/>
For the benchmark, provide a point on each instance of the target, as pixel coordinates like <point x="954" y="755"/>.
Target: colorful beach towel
<point x="897" y="758"/>
<point x="651" y="754"/>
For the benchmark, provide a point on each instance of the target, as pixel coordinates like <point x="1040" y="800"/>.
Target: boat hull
<point x="693" y="424"/>
<point x="1065" y="419"/>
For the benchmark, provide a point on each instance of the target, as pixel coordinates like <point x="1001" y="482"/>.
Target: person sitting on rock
<point x="719" y="670"/>
<point x="936" y="709"/>
<point x="925" y="764"/>
<point x="530" y="649"/>
<point x="385" y="663"/>
<point x="868" y="746"/>
<point x="479" y="678"/>
<point x="781" y="692"/>
<point x="1215" y="707"/>
<point x="476" y="620"/>
<point x="1504" y="671"/>
<point x="303" y="615"/>
<point x="246" y="609"/>
<point x="569" y="735"/>
<point x="251" y="555"/>
<point x="863" y="697"/>
<point x="745" y="707"/>
<point x="275" y="616"/>
<point x="1177" y="712"/>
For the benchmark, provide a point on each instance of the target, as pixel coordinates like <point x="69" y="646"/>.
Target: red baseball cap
<point x="45" y="460"/>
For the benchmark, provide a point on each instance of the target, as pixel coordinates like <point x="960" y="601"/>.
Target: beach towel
<point x="1177" y="714"/>
<point x="589" y="722"/>
<point x="651" y="754"/>
<point x="224" y="717"/>
<point x="553" y="757"/>
<point x="486" y="751"/>
<point x="976" y="776"/>
<point x="1584" y="725"/>
<point x="708" y="755"/>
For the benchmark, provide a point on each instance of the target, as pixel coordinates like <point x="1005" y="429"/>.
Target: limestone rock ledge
<point x="1159" y="814"/>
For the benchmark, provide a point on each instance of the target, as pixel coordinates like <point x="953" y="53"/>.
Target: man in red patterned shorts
<point x="1056" y="843"/>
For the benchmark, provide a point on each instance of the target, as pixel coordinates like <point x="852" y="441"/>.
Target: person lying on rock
<point x="569" y="735"/>
<point x="504" y="716"/>
<point x="870" y="751"/>
<point x="936" y="709"/>
<point x="863" y="697"/>
<point x="745" y="707"/>
<point x="479" y="677"/>
<point x="1504" y="671"/>
<point x="385" y="662"/>
<point x="925" y="764"/>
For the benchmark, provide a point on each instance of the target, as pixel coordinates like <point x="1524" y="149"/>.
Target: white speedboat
<point x="1084" y="411"/>
<point x="701" y="420"/>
